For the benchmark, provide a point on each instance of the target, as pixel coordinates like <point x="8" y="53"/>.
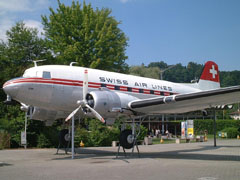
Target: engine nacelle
<point x="109" y="103"/>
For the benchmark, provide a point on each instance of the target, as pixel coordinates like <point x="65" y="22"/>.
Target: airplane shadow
<point x="189" y="154"/>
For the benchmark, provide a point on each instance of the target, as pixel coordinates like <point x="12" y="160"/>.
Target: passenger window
<point x="46" y="75"/>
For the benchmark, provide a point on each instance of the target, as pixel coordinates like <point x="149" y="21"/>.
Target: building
<point x="235" y="115"/>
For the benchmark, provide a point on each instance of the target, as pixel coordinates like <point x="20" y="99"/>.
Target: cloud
<point x="5" y="25"/>
<point x="35" y="24"/>
<point x="15" y="5"/>
<point x="11" y="10"/>
<point x="124" y="1"/>
<point x="22" y="5"/>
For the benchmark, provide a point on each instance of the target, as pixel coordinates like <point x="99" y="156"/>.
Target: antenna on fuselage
<point x="72" y="63"/>
<point x="35" y="62"/>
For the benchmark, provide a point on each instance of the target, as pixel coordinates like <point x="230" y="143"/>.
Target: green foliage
<point x="22" y="47"/>
<point x="152" y="72"/>
<point x="43" y="141"/>
<point x="81" y="134"/>
<point x="99" y="134"/>
<point x="102" y="135"/>
<point x="201" y="125"/>
<point x="90" y="37"/>
<point x="161" y="65"/>
<point x="143" y="132"/>
<point x="4" y="140"/>
<point x="178" y="73"/>
<point x="12" y="121"/>
<point x="229" y="78"/>
<point x="232" y="132"/>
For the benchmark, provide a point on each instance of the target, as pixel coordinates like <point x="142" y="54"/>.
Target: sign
<point x="23" y="138"/>
<point x="183" y="130"/>
<point x="187" y="129"/>
<point x="190" y="131"/>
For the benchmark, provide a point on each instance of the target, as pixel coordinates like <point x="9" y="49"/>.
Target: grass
<point x="172" y="141"/>
<point x="165" y="141"/>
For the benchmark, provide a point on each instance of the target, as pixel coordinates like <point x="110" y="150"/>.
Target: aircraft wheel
<point x="126" y="139"/>
<point x="64" y="137"/>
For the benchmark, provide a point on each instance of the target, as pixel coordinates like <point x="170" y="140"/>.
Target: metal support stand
<point x="119" y="146"/>
<point x="66" y="148"/>
<point x="25" y="129"/>
<point x="163" y="130"/>
<point x="135" y="144"/>
<point x="214" y="128"/>
<point x="135" y="136"/>
<point x="73" y="152"/>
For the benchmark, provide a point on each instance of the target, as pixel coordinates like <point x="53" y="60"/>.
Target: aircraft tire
<point x="64" y="137"/>
<point x="125" y="139"/>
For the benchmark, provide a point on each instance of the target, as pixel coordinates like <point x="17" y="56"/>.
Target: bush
<point x="143" y="132"/>
<point x="43" y="141"/>
<point x="207" y="124"/>
<point x="99" y="134"/>
<point x="82" y="134"/>
<point x="231" y="132"/>
<point x="4" y="140"/>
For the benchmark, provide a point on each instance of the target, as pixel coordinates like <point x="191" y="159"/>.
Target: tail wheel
<point x="64" y="137"/>
<point x="126" y="139"/>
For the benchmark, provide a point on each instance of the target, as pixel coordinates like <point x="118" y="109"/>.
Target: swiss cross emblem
<point x="213" y="72"/>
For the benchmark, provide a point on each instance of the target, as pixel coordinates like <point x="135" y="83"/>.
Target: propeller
<point x="83" y="103"/>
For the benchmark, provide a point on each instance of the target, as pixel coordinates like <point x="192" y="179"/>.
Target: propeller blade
<point x="72" y="114"/>
<point x="96" y="114"/>
<point x="83" y="103"/>
<point x="85" y="84"/>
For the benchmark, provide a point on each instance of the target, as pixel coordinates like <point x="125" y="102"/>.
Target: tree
<point x="22" y="47"/>
<point x="151" y="72"/>
<point x="16" y="54"/>
<point x="89" y="37"/>
<point x="161" y="65"/>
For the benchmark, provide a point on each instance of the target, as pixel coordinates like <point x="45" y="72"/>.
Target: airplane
<point x="51" y="92"/>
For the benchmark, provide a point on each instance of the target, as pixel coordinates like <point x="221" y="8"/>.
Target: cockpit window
<point x="46" y="75"/>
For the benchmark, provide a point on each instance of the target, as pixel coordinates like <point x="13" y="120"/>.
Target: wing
<point x="187" y="102"/>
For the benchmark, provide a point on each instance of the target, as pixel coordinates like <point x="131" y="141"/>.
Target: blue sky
<point x="174" y="31"/>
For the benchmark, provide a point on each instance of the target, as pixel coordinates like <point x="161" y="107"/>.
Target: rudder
<point x="210" y="77"/>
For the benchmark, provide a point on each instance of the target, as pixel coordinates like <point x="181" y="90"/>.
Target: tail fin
<point x="210" y="77"/>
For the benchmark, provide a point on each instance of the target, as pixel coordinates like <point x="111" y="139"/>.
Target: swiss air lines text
<point x="136" y="84"/>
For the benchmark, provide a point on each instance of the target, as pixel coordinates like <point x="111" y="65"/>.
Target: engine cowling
<point x="109" y="103"/>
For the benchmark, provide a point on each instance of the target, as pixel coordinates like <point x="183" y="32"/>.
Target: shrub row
<point x="221" y="125"/>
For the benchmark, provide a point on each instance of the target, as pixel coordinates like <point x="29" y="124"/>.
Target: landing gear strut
<point x="128" y="137"/>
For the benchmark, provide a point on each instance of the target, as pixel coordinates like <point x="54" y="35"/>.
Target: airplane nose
<point x="10" y="89"/>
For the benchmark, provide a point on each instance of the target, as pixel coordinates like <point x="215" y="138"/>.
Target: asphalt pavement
<point x="189" y="161"/>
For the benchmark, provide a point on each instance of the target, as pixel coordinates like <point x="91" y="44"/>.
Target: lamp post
<point x="161" y="77"/>
<point x="163" y="70"/>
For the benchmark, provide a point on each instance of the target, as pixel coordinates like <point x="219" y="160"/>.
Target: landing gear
<point x="64" y="140"/>
<point x="64" y="137"/>
<point x="126" y="139"/>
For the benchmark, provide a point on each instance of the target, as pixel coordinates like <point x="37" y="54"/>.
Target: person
<point x="167" y="133"/>
<point x="157" y="132"/>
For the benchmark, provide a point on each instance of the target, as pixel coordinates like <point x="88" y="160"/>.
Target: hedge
<point x="207" y="124"/>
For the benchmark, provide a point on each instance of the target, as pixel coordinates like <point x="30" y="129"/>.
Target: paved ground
<point x="192" y="161"/>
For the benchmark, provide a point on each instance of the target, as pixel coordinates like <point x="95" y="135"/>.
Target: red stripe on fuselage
<point x="80" y="83"/>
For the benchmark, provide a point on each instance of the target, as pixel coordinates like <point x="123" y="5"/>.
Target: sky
<point x="173" y="31"/>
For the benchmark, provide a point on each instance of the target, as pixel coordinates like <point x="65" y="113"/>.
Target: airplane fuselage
<point x="58" y="87"/>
